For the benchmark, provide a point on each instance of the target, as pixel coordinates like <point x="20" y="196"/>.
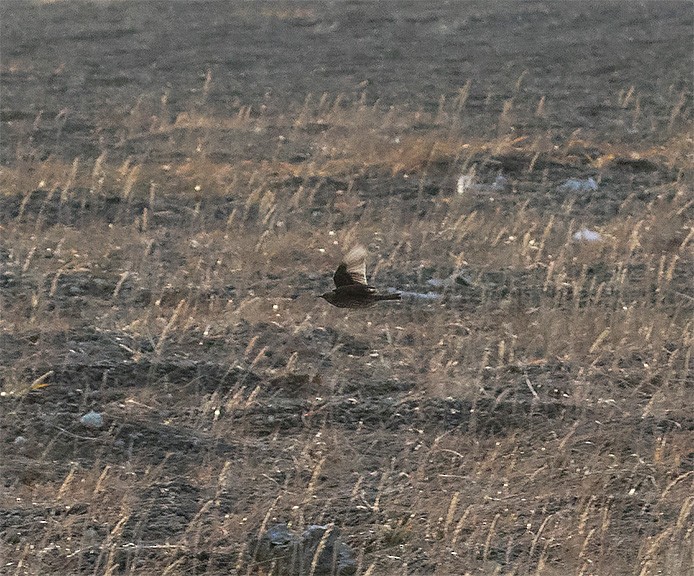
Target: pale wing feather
<point x="352" y="269"/>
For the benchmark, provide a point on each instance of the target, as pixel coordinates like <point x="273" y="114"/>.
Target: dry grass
<point x="534" y="422"/>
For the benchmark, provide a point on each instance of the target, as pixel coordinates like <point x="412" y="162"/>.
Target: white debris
<point x="468" y="183"/>
<point x="586" y="235"/>
<point x="465" y="183"/>
<point x="578" y="185"/>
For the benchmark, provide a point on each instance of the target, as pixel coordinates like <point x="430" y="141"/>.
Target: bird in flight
<point x="351" y="289"/>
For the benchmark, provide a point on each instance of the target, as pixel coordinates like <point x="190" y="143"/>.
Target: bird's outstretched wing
<point x="352" y="269"/>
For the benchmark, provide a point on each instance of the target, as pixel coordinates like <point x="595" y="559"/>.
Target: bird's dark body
<point x="351" y="289"/>
<point x="357" y="296"/>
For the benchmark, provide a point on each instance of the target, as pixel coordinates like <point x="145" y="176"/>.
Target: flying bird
<point x="351" y="288"/>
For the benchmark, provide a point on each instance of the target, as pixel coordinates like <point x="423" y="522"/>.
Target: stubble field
<point x="180" y="180"/>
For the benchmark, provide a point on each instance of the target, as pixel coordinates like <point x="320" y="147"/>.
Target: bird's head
<point x="329" y="296"/>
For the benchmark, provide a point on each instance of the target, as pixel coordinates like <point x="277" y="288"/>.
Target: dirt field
<point x="178" y="182"/>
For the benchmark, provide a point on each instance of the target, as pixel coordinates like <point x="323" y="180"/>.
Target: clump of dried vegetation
<point x="533" y="419"/>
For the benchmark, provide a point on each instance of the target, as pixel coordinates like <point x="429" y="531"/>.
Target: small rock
<point x="92" y="420"/>
<point x="294" y="554"/>
<point x="334" y="558"/>
<point x="20" y="441"/>
<point x="578" y="185"/>
<point x="469" y="183"/>
<point x="279" y="535"/>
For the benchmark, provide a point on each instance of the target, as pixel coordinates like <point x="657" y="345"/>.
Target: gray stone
<point x="92" y="420"/>
<point x="292" y="554"/>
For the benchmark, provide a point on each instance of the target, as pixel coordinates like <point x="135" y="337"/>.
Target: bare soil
<point x="178" y="182"/>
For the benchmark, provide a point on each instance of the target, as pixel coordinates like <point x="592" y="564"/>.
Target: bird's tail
<point x="394" y="296"/>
